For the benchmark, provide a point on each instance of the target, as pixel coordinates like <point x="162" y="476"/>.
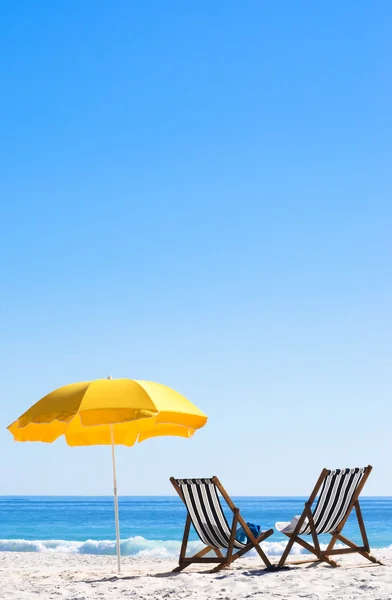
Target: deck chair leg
<point x="263" y="556"/>
<point x="181" y="564"/>
<point x="180" y="567"/>
<point x="313" y="530"/>
<point x="331" y="562"/>
<point x="330" y="547"/>
<point x="317" y="552"/>
<point x="294" y="535"/>
<point x="337" y="536"/>
<point x="255" y="543"/>
<point x="232" y="537"/>
<point x="364" y="535"/>
<point x="363" y="553"/>
<point x="362" y="526"/>
<point x="334" y="539"/>
<point x="248" y="547"/>
<point x="328" y="560"/>
<point x="286" y="552"/>
<point x="219" y="567"/>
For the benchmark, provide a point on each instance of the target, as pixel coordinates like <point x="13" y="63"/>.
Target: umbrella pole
<point x="116" y="503"/>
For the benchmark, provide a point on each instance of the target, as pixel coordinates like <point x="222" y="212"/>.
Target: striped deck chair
<point x="205" y="513"/>
<point x="340" y="490"/>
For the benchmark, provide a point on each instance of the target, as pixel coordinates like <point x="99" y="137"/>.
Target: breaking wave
<point x="135" y="546"/>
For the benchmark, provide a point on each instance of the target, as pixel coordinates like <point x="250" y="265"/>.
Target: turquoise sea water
<point x="150" y="526"/>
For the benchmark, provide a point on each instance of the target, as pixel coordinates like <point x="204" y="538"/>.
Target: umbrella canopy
<point x="108" y="411"/>
<point x="90" y="412"/>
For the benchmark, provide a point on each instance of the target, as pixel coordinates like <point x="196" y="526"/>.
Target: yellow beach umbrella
<point x="108" y="411"/>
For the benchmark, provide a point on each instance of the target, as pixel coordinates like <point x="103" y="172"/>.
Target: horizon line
<point x="158" y="496"/>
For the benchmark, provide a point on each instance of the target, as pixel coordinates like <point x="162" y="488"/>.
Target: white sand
<point x="77" y="577"/>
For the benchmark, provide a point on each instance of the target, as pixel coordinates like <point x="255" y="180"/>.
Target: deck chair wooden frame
<point x="336" y="532"/>
<point x="221" y="560"/>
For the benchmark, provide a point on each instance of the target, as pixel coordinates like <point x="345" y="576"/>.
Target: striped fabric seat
<point x="334" y="501"/>
<point x="206" y="513"/>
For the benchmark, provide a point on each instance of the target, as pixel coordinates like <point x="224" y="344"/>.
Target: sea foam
<point x="135" y="546"/>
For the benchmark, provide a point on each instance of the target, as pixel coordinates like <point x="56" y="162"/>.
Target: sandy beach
<point x="77" y="577"/>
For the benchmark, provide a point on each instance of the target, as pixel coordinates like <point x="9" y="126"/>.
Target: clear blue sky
<point x="199" y="193"/>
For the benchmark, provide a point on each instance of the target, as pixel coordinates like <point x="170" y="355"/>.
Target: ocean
<point x="151" y="526"/>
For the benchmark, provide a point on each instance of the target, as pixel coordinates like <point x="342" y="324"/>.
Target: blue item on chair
<point x="241" y="535"/>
